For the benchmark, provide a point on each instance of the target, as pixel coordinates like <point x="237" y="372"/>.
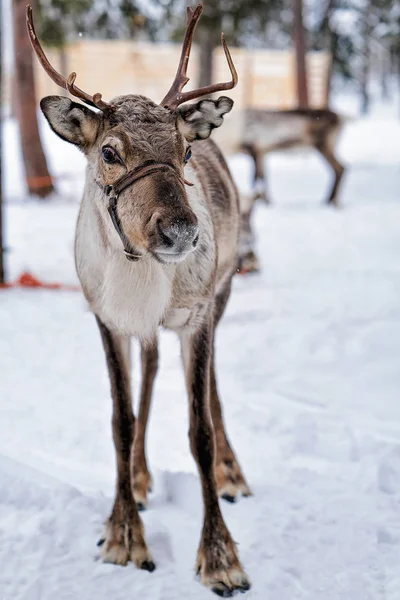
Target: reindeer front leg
<point x="217" y="561"/>
<point x="123" y="538"/>
<point x="141" y="476"/>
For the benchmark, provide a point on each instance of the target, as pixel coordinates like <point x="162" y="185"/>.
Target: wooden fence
<point x="266" y="78"/>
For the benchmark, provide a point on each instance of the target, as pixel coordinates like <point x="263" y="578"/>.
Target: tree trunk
<point x="328" y="45"/>
<point x="385" y="75"/>
<point x="37" y="176"/>
<point x="300" y="49"/>
<point x="63" y="65"/>
<point x="365" y="66"/>
<point x="2" y="275"/>
<point x="398" y="72"/>
<point x="207" y="44"/>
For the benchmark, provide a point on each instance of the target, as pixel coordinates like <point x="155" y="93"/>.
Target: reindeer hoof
<point x="262" y="196"/>
<point x="218" y="564"/>
<point x="222" y="590"/>
<point x="248" y="263"/>
<point x="122" y="542"/>
<point x="225" y="592"/>
<point x="148" y="565"/>
<point x="234" y="583"/>
<point x="230" y="481"/>
<point x="228" y="498"/>
<point x="142" y="485"/>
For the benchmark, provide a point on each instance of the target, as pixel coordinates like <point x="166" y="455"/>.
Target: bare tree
<point x="38" y="179"/>
<point x="365" y="60"/>
<point x="208" y="41"/>
<point x="300" y="48"/>
<point x="2" y="276"/>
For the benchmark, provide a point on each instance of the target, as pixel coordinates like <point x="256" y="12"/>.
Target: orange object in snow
<point x="27" y="280"/>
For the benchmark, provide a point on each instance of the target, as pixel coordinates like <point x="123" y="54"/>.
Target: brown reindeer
<point x="173" y="269"/>
<point x="268" y="131"/>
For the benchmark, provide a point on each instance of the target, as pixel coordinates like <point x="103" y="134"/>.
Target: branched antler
<point x="68" y="84"/>
<point x="175" y="96"/>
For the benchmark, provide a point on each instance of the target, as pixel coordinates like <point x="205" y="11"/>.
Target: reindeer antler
<point x="68" y="84"/>
<point x="175" y="96"/>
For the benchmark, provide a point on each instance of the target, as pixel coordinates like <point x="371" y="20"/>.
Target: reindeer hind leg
<point x="230" y="479"/>
<point x="260" y="191"/>
<point x="338" y="170"/>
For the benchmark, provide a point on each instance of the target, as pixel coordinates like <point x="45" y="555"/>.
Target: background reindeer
<point x="173" y="268"/>
<point x="267" y="131"/>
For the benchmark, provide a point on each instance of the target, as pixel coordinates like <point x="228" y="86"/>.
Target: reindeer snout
<point x="177" y="237"/>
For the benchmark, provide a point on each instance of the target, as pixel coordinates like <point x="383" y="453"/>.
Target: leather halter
<point x="125" y="181"/>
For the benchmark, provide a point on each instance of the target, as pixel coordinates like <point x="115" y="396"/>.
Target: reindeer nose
<point x="178" y="237"/>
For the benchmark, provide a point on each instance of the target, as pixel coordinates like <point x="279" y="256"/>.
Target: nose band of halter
<point x="128" y="179"/>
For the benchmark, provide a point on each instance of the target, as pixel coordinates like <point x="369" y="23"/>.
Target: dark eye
<point x="188" y="154"/>
<point x="109" y="155"/>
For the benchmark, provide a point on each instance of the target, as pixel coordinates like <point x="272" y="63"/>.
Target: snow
<point x="308" y="364"/>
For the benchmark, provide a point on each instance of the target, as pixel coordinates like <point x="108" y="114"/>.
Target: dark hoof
<point x="333" y="203"/>
<point x="244" y="588"/>
<point x="141" y="507"/>
<point x="100" y="542"/>
<point x="222" y="590"/>
<point x="229" y="498"/>
<point x="262" y="197"/>
<point x="148" y="565"/>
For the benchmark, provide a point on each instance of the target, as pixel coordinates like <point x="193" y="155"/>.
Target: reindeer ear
<point x="196" y="121"/>
<point x="73" y="122"/>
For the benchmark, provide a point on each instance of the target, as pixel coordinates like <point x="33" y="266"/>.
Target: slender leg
<point x="247" y="259"/>
<point x="217" y="559"/>
<point x="230" y="480"/>
<point x="142" y="481"/>
<point x="338" y="170"/>
<point x="260" y="179"/>
<point x="260" y="191"/>
<point x="123" y="539"/>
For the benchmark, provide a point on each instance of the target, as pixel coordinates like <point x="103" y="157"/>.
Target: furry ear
<point x="73" y="122"/>
<point x="196" y="121"/>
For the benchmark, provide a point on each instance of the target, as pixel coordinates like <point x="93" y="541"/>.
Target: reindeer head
<point x="137" y="151"/>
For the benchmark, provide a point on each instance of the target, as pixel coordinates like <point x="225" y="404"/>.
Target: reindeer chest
<point x="135" y="297"/>
<point x="185" y="317"/>
<point x="192" y="288"/>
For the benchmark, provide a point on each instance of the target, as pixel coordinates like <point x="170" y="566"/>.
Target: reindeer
<point x="151" y="253"/>
<point x="267" y="131"/>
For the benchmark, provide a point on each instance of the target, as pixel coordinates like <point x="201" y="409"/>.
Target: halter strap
<point x="126" y="180"/>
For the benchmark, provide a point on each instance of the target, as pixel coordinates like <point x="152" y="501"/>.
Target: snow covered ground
<point x="309" y="371"/>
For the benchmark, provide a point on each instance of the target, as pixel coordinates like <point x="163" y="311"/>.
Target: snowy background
<point x="309" y="372"/>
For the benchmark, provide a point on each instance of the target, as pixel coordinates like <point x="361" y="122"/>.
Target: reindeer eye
<point x="109" y="155"/>
<point x="188" y="154"/>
